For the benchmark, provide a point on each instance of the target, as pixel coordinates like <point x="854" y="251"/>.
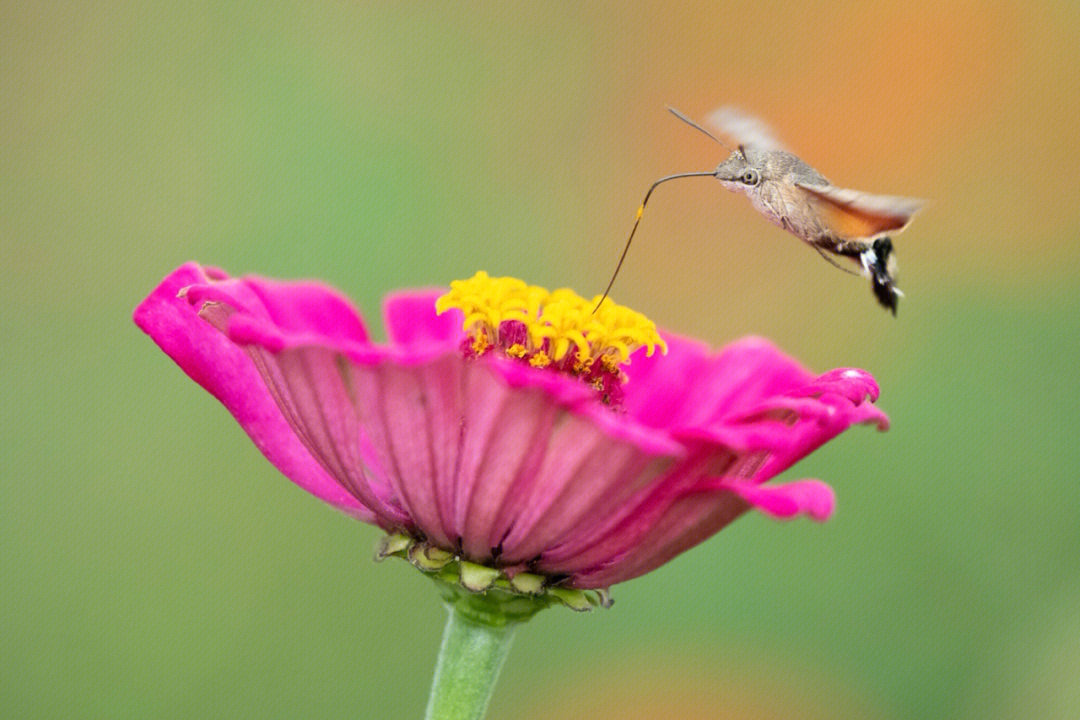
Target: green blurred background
<point x="155" y="565"/>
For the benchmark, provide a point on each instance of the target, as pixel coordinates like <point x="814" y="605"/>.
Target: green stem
<point x="471" y="655"/>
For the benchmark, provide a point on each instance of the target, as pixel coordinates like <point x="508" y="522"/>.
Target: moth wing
<point x="744" y="129"/>
<point x="855" y="214"/>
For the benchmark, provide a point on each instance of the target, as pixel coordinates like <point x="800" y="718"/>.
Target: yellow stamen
<point x="540" y="360"/>
<point x="555" y="323"/>
<point x="480" y="344"/>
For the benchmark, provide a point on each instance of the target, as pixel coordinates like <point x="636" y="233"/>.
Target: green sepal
<point x="487" y="594"/>
<point x="577" y="600"/>
<point x="388" y="545"/>
<point x="428" y="557"/>
<point x="527" y="583"/>
<point x="476" y="578"/>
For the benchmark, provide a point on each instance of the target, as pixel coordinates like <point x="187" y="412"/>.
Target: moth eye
<point x="750" y="177"/>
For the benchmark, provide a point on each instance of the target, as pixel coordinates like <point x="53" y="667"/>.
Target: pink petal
<point x="585" y="474"/>
<point x="752" y="368"/>
<point x="411" y="320"/>
<point x="306" y="308"/>
<point x="761" y="438"/>
<point x="685" y="523"/>
<point x="710" y="386"/>
<point x="804" y="497"/>
<point x="317" y="393"/>
<point x="650" y="395"/>
<point x="495" y="464"/>
<point x="229" y="374"/>
<point x="421" y="441"/>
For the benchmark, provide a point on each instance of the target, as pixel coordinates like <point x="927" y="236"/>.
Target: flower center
<point x="558" y="330"/>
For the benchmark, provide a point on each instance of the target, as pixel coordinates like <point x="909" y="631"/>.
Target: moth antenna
<point x="694" y="125"/>
<point x="637" y="220"/>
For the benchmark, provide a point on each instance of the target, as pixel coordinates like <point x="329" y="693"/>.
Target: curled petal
<point x="803" y="497"/>
<point x="227" y="372"/>
<point x="317" y="313"/>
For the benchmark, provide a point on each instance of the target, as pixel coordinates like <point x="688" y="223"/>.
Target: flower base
<point x="487" y="594"/>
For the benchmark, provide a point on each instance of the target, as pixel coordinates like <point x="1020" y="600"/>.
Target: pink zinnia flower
<point x="524" y="447"/>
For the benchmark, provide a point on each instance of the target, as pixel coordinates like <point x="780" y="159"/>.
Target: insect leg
<point x="832" y="262"/>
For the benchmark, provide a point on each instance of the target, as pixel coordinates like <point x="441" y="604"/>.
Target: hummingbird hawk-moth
<point x="837" y="222"/>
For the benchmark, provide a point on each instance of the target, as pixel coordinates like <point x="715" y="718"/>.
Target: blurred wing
<point x="851" y="213"/>
<point x="744" y="129"/>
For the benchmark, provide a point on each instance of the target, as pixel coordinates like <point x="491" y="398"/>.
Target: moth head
<point x="739" y="173"/>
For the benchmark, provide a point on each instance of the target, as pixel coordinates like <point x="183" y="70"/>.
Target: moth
<point x="841" y="225"/>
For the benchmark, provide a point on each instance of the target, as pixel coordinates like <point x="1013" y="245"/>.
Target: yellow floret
<point x="555" y="322"/>
<point x="540" y="360"/>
